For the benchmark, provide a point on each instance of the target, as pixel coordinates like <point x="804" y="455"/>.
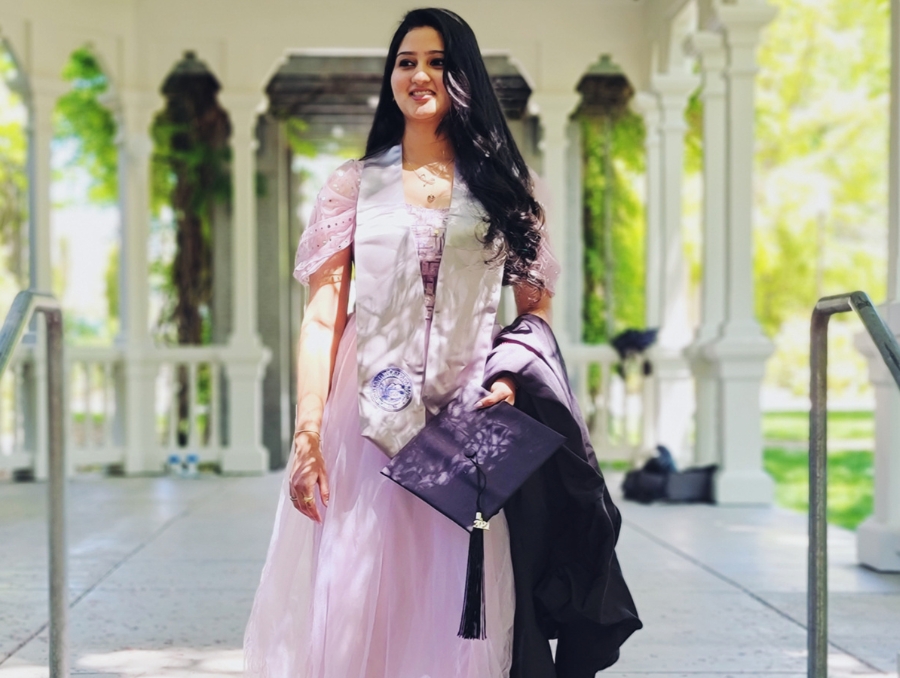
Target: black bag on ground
<point x="643" y="486"/>
<point x="648" y="483"/>
<point x="691" y="485"/>
<point x="659" y="479"/>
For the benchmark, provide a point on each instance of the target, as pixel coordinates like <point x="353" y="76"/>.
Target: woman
<point x="362" y="579"/>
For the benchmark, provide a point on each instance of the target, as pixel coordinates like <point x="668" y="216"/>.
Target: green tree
<point x="13" y="173"/>
<point x="821" y="155"/>
<point x="626" y="154"/>
<point x="82" y="119"/>
<point x="112" y="284"/>
<point x="189" y="174"/>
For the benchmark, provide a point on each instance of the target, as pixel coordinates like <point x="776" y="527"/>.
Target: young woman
<point x="362" y="579"/>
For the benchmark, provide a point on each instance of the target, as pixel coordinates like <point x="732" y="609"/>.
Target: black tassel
<point x="472" y="624"/>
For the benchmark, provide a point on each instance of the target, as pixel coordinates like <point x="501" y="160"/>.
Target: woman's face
<point x="418" y="77"/>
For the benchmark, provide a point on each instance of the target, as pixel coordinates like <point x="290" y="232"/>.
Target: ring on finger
<point x="308" y="500"/>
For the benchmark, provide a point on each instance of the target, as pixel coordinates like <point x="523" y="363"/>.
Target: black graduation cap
<point x="467" y="463"/>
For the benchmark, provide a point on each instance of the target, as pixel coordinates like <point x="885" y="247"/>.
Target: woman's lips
<point x="421" y="94"/>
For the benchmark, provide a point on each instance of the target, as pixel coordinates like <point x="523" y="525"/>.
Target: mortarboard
<point x="466" y="463"/>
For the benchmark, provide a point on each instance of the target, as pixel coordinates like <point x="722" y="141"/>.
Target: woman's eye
<point x="437" y="63"/>
<point x="405" y="63"/>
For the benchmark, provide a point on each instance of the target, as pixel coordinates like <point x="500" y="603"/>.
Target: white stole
<point x="397" y="381"/>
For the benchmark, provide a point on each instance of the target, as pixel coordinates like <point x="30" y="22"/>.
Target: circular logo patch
<point x="392" y="389"/>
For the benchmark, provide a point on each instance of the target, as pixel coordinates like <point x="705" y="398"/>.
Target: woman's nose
<point x="420" y="76"/>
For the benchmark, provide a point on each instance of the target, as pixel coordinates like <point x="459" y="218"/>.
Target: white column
<point x="246" y="356"/>
<point x="555" y="112"/>
<point x="674" y="392"/>
<point x="710" y="49"/>
<point x="878" y="538"/>
<point x="673" y="91"/>
<point x="647" y="105"/>
<point x="138" y="379"/>
<point x="44" y="93"/>
<point x="741" y="351"/>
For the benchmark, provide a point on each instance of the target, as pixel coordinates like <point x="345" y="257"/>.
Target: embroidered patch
<point x="391" y="389"/>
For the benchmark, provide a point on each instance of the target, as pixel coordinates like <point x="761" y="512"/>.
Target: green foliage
<point x="294" y="131"/>
<point x="794" y="426"/>
<point x="850" y="483"/>
<point x="822" y="106"/>
<point x="13" y="173"/>
<point x="190" y="174"/>
<point x="626" y="144"/>
<point x="112" y="283"/>
<point x="693" y="136"/>
<point x="83" y="119"/>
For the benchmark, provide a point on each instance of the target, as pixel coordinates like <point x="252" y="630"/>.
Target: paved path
<point x="163" y="572"/>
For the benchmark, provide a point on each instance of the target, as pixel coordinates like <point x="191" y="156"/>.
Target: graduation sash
<point x="398" y="382"/>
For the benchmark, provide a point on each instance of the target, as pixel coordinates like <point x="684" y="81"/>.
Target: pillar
<point x="709" y="48"/>
<point x="741" y="350"/>
<point x="42" y="101"/>
<point x="647" y="104"/>
<point x="138" y="377"/>
<point x="245" y="356"/>
<point x="674" y="391"/>
<point x="878" y="538"/>
<point x="555" y="113"/>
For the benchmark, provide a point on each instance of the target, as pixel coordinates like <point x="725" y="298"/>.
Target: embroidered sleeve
<point x="332" y="222"/>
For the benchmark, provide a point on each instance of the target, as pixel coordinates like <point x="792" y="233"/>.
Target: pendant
<point x="431" y="198"/>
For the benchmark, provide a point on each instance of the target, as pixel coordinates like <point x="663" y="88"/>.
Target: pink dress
<point x="376" y="590"/>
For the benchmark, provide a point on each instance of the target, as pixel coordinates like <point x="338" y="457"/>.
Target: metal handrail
<point x="25" y="305"/>
<point x="817" y="591"/>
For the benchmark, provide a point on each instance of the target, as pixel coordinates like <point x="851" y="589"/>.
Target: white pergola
<point x="667" y="49"/>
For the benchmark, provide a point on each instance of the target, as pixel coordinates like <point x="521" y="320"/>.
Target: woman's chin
<point x="423" y="113"/>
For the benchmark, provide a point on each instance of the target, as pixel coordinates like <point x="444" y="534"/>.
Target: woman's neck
<point x="422" y="146"/>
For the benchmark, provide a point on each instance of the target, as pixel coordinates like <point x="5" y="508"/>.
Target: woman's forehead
<point x="421" y="40"/>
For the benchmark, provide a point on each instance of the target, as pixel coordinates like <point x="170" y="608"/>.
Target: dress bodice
<point x="429" y="230"/>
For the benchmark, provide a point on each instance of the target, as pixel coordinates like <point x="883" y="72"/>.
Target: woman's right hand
<point x="308" y="471"/>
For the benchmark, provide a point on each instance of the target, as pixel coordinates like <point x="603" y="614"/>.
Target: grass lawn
<point x="794" y="426"/>
<point x="850" y="483"/>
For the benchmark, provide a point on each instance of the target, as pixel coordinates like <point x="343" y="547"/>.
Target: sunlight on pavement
<point x="179" y="662"/>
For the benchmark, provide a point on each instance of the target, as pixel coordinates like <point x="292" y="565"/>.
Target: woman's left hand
<point x="504" y="388"/>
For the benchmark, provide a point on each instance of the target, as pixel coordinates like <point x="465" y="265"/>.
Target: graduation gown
<point x="563" y="525"/>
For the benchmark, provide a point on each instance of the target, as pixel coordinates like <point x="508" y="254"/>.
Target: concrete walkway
<point x="163" y="572"/>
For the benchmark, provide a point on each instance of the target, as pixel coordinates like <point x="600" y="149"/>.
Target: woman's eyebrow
<point x="434" y="51"/>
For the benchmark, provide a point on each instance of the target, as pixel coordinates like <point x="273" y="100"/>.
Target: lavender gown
<point x="376" y="590"/>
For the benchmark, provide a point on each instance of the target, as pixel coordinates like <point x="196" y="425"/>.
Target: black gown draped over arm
<point x="563" y="525"/>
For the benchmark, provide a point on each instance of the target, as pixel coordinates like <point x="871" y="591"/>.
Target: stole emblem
<point x="391" y="389"/>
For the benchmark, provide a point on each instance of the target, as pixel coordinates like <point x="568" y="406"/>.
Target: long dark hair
<point x="487" y="157"/>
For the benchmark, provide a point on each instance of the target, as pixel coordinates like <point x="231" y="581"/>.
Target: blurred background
<point x="819" y="214"/>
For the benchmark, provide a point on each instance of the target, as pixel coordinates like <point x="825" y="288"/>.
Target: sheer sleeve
<point x="332" y="222"/>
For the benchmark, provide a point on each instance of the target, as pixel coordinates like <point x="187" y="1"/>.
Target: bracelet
<point x="308" y="430"/>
